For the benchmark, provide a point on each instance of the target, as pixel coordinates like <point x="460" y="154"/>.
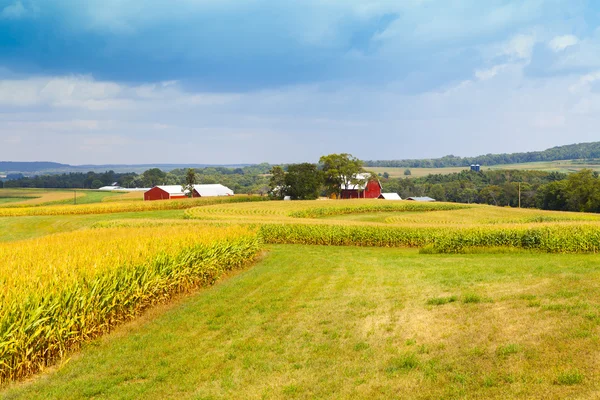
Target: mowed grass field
<point x="564" y="166"/>
<point x="348" y="322"/>
<point x="424" y="301"/>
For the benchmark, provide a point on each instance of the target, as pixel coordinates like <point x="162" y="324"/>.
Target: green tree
<point x="407" y="172"/>
<point x="190" y="181"/>
<point x="583" y="190"/>
<point x="303" y="181"/>
<point x="153" y="177"/>
<point x="277" y="182"/>
<point x="340" y="172"/>
<point x="437" y="192"/>
<point x="97" y="183"/>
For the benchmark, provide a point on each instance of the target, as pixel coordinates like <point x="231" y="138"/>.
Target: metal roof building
<point x="390" y="196"/>
<point x="165" y="192"/>
<point x="212" y="190"/>
<point x="424" y="198"/>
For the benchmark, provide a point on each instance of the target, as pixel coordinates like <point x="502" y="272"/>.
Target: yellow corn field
<point x="63" y="289"/>
<point x="125" y="206"/>
<point x="444" y="227"/>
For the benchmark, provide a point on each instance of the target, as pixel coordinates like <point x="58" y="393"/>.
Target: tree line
<point x="250" y="179"/>
<point x="578" y="191"/>
<point x="579" y="151"/>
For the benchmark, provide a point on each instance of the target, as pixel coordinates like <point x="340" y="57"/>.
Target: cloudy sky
<point x="244" y="81"/>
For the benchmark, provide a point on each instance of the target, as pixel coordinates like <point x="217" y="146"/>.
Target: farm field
<point x="28" y="197"/>
<point x="348" y="299"/>
<point x="349" y="322"/>
<point x="565" y="166"/>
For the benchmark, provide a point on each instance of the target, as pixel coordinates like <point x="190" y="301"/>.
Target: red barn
<point x="370" y="190"/>
<point x="167" y="192"/>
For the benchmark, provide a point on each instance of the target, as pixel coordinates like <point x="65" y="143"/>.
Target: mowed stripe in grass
<point x="344" y="322"/>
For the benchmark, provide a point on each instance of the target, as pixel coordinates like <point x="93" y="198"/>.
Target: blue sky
<point x="203" y="81"/>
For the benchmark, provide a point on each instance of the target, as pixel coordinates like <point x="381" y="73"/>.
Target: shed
<point x="390" y="196"/>
<point x="109" y="188"/>
<point x="166" y="192"/>
<point x="425" y="198"/>
<point x="365" y="189"/>
<point x="212" y="190"/>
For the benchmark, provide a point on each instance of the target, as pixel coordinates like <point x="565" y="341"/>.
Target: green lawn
<point x="350" y="322"/>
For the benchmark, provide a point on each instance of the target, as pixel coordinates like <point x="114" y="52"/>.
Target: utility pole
<point x="519" y="194"/>
<point x="75" y="197"/>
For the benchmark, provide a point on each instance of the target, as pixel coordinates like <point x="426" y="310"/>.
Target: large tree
<point x="340" y="172"/>
<point x="277" y="182"/>
<point x="303" y="181"/>
<point x="190" y="181"/>
<point x="153" y="177"/>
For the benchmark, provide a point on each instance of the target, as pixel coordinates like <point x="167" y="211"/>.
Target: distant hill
<point x="579" y="151"/>
<point x="18" y="166"/>
<point x="42" y="167"/>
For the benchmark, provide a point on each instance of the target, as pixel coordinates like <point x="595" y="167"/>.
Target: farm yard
<point x="309" y="299"/>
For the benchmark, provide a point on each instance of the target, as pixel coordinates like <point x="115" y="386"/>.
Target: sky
<point x="250" y="81"/>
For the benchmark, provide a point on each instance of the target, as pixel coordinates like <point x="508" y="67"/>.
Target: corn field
<point x="551" y="239"/>
<point x="124" y="206"/>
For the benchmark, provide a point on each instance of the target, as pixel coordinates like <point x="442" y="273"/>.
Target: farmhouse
<point x="170" y="192"/>
<point x="390" y="196"/>
<point x="365" y="189"/>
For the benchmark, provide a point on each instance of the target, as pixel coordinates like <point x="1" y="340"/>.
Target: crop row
<point x="61" y="290"/>
<point x="553" y="239"/>
<point x="133" y="206"/>
<point x="319" y="212"/>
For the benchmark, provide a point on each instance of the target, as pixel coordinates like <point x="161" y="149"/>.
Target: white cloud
<point x="83" y="92"/>
<point x="584" y="82"/>
<point x="14" y="11"/>
<point x="499" y="110"/>
<point x="519" y="46"/>
<point x="559" y="43"/>
<point x="485" y="74"/>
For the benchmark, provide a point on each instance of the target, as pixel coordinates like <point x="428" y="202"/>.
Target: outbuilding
<point x="390" y="196"/>
<point x="424" y="198"/>
<point x="166" y="192"/>
<point x="212" y="190"/>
